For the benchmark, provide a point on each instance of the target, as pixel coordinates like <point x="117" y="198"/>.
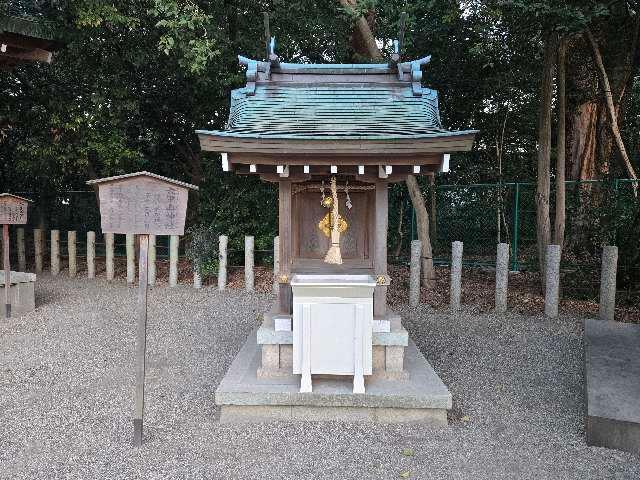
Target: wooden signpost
<point x="13" y="211"/>
<point x="144" y="204"/>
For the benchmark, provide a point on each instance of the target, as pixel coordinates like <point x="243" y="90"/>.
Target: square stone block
<point x="286" y="357"/>
<point x="21" y="292"/>
<point x="270" y="357"/>
<point x="394" y="359"/>
<point x="378" y="357"/>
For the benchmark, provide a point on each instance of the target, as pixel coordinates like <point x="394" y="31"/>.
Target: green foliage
<point x="184" y="27"/>
<point x="203" y="249"/>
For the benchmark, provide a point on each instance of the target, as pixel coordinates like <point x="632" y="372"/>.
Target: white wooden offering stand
<point x="332" y="327"/>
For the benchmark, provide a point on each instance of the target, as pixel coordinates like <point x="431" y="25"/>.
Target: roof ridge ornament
<point x="253" y="67"/>
<point x="415" y="68"/>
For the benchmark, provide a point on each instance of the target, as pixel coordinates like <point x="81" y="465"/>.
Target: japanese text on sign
<point x="13" y="212"/>
<point x="143" y="206"/>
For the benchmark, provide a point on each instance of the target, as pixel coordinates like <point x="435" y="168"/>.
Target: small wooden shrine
<point x="332" y="137"/>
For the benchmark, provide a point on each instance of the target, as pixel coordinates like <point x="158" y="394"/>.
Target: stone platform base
<point x="244" y="397"/>
<point x="612" y="371"/>
<point x="21" y="292"/>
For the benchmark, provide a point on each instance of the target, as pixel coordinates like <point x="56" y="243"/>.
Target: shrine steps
<point x="244" y="397"/>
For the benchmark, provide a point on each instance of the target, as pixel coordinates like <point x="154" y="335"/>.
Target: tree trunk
<point x="433" y="205"/>
<point x="543" y="233"/>
<point x="367" y="45"/>
<point x="398" y="248"/>
<point x="422" y="223"/>
<point x="558" y="231"/>
<point x="611" y="109"/>
<point x="369" y="48"/>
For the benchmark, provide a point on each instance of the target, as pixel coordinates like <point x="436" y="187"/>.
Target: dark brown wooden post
<point x="284" y="227"/>
<point x="380" y="247"/>
<point x="7" y="270"/>
<point x="141" y="341"/>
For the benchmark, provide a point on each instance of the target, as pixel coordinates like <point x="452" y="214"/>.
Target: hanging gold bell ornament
<point x="326" y="225"/>
<point x="333" y="255"/>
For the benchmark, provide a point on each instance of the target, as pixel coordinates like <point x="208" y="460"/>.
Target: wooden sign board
<point x="142" y="203"/>
<point x="145" y="204"/>
<point x="13" y="209"/>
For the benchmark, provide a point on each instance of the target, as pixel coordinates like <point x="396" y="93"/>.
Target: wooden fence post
<point x="552" y="284"/>
<point x="502" y="277"/>
<point x="55" y="252"/>
<point x="131" y="258"/>
<point x="71" y="252"/>
<point x="152" y="260"/>
<point x="456" y="275"/>
<point x="414" y="273"/>
<point x="222" y="262"/>
<point x="174" y="242"/>
<point x="91" y="254"/>
<point x="608" y="275"/>
<point x="248" y="264"/>
<point x="22" y="257"/>
<point x="37" y="249"/>
<point x="197" y="278"/>
<point x="109" y="245"/>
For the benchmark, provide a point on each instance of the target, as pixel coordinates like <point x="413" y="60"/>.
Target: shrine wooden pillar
<point x="380" y="246"/>
<point x="284" y="228"/>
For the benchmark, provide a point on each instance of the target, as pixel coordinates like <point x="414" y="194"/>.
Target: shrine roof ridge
<point x="5" y="195"/>
<point x="142" y="174"/>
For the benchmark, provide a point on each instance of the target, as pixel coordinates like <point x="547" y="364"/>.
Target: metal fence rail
<point x="480" y="215"/>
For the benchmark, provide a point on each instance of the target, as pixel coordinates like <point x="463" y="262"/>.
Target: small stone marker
<point x="174" y="242"/>
<point x="414" y="273"/>
<point x="13" y="211"/>
<point x="22" y="257"/>
<point x="55" y="252"/>
<point x="197" y="278"/>
<point x="71" y="252"/>
<point x="37" y="249"/>
<point x="502" y="277"/>
<point x="109" y="246"/>
<point x="223" y="241"/>
<point x="91" y="254"/>
<point x="608" y="274"/>
<point x="145" y="204"/>
<point x="456" y="275"/>
<point x="152" y="260"/>
<point x="552" y="285"/>
<point x="248" y="263"/>
<point x="131" y="258"/>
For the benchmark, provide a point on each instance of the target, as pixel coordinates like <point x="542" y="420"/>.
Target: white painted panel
<point x="282" y="324"/>
<point x="332" y="338"/>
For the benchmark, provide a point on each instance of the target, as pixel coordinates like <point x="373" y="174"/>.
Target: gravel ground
<point x="66" y="397"/>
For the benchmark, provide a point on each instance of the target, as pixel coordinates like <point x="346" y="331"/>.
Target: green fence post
<point x="516" y="228"/>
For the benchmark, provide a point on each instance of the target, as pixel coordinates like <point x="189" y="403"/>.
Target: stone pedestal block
<point x="21" y="292"/>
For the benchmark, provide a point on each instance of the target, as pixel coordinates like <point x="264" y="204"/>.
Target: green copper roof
<point x="336" y="111"/>
<point x="340" y="102"/>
